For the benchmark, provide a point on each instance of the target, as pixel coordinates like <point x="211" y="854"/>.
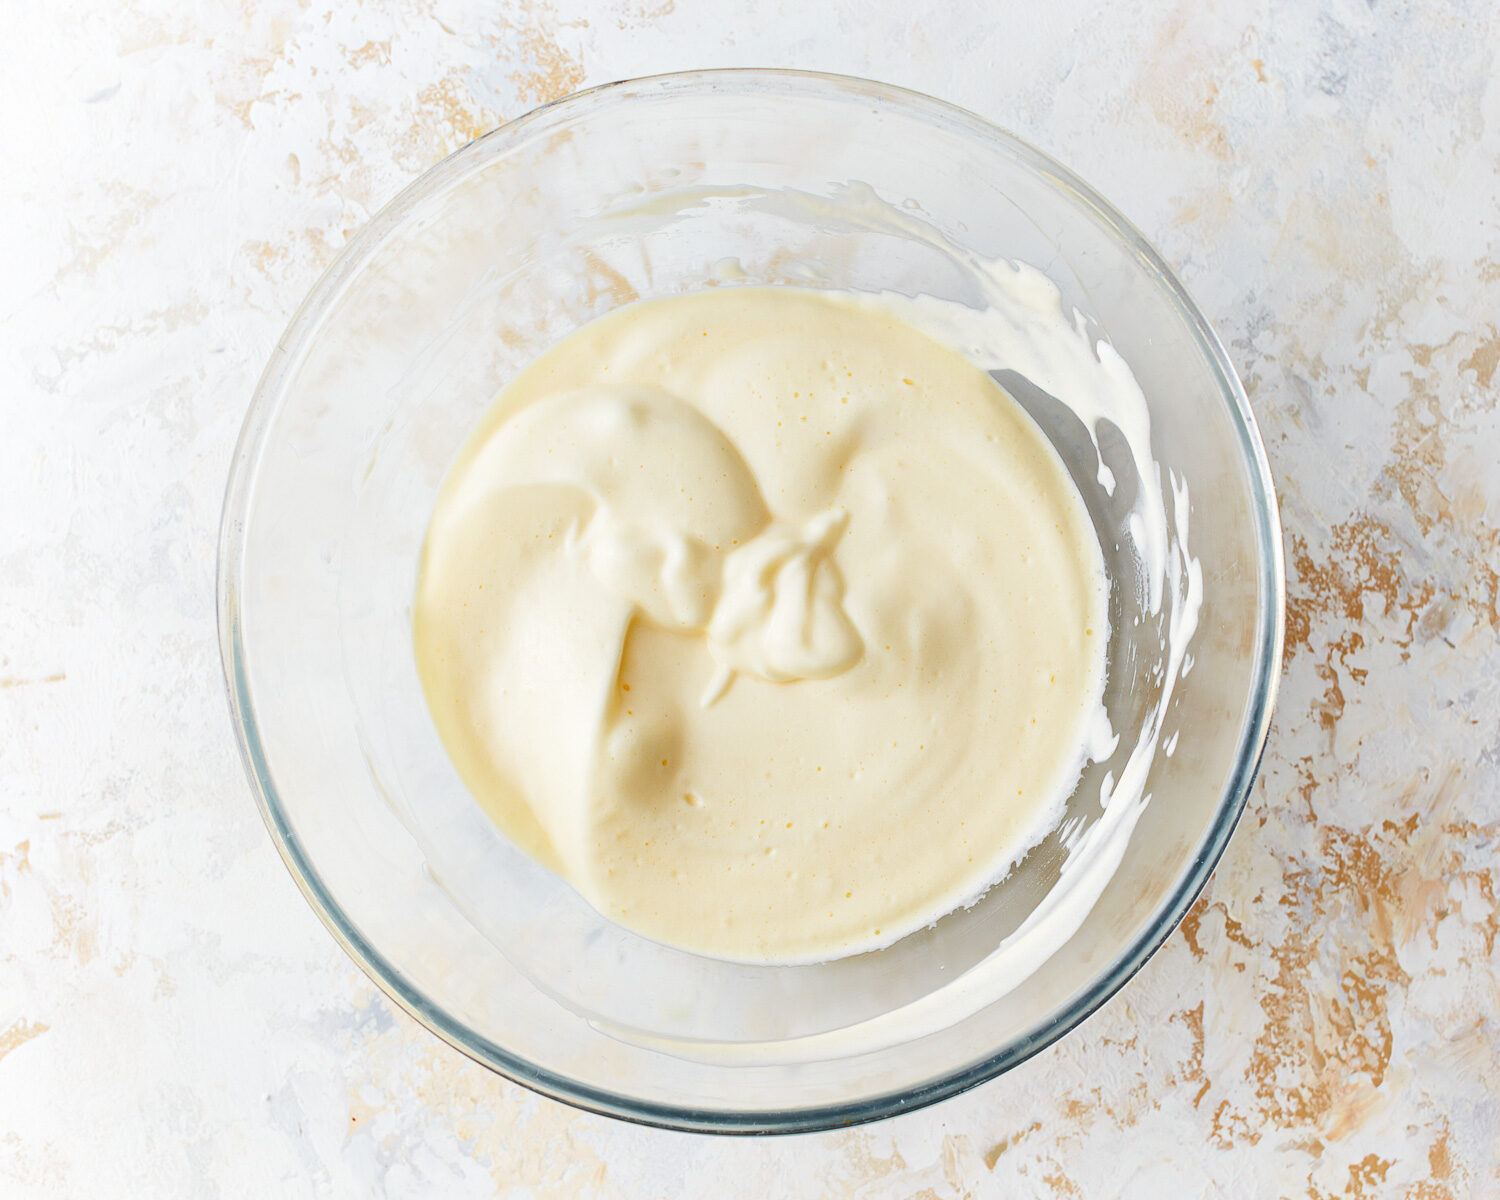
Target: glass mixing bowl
<point x="648" y="188"/>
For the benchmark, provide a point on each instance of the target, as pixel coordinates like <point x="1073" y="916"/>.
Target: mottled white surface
<point x="173" y="1019"/>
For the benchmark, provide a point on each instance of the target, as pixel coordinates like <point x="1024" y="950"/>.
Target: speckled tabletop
<point x="174" y="1021"/>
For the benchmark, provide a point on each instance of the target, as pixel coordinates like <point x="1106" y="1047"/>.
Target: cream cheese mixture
<point x="771" y="623"/>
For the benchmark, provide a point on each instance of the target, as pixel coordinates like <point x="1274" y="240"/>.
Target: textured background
<point x="174" y="1021"/>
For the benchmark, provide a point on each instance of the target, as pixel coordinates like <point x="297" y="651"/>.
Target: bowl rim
<point x="1265" y="670"/>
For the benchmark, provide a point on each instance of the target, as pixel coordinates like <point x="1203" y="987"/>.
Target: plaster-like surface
<point x="174" y="1021"/>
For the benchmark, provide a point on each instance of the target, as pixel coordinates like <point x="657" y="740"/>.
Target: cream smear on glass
<point x="767" y="619"/>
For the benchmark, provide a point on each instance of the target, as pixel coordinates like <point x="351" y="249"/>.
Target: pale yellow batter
<point x="772" y="624"/>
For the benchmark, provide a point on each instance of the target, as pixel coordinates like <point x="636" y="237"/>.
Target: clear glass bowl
<point x="646" y="188"/>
